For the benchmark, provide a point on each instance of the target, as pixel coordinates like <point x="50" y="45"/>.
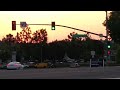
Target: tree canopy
<point x="34" y="46"/>
<point x="113" y="25"/>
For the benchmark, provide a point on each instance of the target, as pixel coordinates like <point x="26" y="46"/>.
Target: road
<point x="63" y="73"/>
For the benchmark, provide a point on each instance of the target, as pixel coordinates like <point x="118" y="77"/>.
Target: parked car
<point x="41" y="65"/>
<point x="73" y="65"/>
<point x="100" y="61"/>
<point x="31" y="64"/>
<point x="51" y="65"/>
<point x="25" y="65"/>
<point x="3" y="66"/>
<point x="15" y="65"/>
<point x="61" y="64"/>
<point x="0" y="65"/>
<point x="94" y="62"/>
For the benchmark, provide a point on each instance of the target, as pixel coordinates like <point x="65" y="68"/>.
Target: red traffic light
<point x="109" y="52"/>
<point x="53" y="24"/>
<point x="13" y="25"/>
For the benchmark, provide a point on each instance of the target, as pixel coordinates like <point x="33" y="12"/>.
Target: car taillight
<point x="15" y="65"/>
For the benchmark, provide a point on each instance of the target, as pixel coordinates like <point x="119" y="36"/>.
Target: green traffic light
<point x="53" y="28"/>
<point x="109" y="46"/>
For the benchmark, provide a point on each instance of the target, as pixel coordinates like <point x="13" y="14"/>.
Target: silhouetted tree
<point x="25" y="36"/>
<point x="9" y="39"/>
<point x="39" y="36"/>
<point x="5" y="51"/>
<point x="6" y="47"/>
<point x="113" y="25"/>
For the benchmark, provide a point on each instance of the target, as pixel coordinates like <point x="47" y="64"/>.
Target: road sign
<point x="23" y="24"/>
<point x="79" y="35"/>
<point x="92" y="53"/>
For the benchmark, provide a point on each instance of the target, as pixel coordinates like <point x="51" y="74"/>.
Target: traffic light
<point x="13" y="25"/>
<point x="109" y="52"/>
<point x="108" y="45"/>
<point x="53" y="26"/>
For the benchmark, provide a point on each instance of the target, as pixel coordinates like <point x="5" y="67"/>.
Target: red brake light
<point x="15" y="65"/>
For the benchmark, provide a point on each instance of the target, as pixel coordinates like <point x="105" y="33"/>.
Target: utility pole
<point x="108" y="55"/>
<point x="106" y="36"/>
<point x="106" y="27"/>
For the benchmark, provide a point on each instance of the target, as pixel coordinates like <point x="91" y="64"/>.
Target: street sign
<point x="92" y="53"/>
<point x="79" y="35"/>
<point x="23" y="24"/>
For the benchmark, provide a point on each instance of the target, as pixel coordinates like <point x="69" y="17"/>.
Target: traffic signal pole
<point x="68" y="27"/>
<point x="108" y="55"/>
<point x="106" y="27"/>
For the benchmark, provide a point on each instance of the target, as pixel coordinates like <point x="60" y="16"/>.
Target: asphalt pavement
<point x="63" y="73"/>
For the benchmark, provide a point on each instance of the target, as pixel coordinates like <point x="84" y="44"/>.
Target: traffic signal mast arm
<point x="80" y="30"/>
<point x="70" y="28"/>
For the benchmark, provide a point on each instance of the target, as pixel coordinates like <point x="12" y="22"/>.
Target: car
<point x="74" y="65"/>
<point x="0" y="65"/>
<point x="25" y="65"/>
<point x="41" y="65"/>
<point x="50" y="65"/>
<point x="3" y="66"/>
<point x="31" y="64"/>
<point x="94" y="63"/>
<point x="15" y="65"/>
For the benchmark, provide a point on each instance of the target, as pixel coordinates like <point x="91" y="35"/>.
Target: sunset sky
<point x="85" y="20"/>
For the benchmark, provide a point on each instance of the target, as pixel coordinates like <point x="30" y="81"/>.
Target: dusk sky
<point x="85" y="20"/>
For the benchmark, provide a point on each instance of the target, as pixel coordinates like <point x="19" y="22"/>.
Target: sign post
<point x="92" y="53"/>
<point x="103" y="63"/>
<point x="90" y="64"/>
